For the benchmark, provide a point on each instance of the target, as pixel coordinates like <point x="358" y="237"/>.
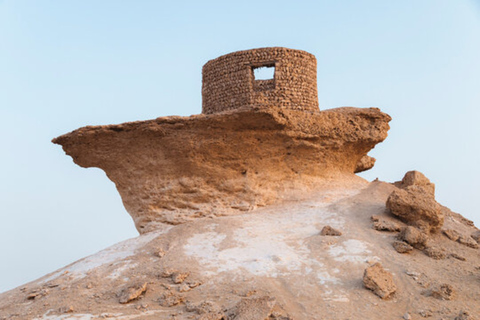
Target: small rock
<point x="407" y="316"/>
<point x="170" y="300"/>
<point x="160" y="253"/>
<point x="132" y="292"/>
<point x="402" y="247"/>
<point x="464" y="315"/>
<point x="451" y="234"/>
<point x="179" y="277"/>
<point x="443" y="292"/>
<point x="329" y="231"/>
<point x="456" y="256"/>
<point x="468" y="241"/>
<point x="435" y="253"/>
<point x="414" y="237"/>
<point x="68" y="309"/>
<point x="379" y="281"/>
<point x="425" y="313"/>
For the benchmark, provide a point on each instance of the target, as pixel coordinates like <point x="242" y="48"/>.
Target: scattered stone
<point x="407" y="316"/>
<point x="160" y="253"/>
<point x="456" y="256"/>
<point x="416" y="207"/>
<point x="132" y="292"/>
<point x="379" y="281"/>
<point x="68" y="309"/>
<point x="38" y="293"/>
<point x="414" y="237"/>
<point x="179" y="277"/>
<point x="253" y="308"/>
<point x="416" y="178"/>
<point x="435" y="253"/>
<point x="382" y="224"/>
<point x="329" y="231"/>
<point x="468" y="241"/>
<point x="170" y="300"/>
<point x="425" y="313"/>
<point x="443" y="292"/>
<point x="451" y="234"/>
<point x="464" y="315"/>
<point x="402" y="246"/>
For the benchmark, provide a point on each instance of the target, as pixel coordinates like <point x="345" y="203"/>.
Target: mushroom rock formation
<point x="270" y="171"/>
<point x="234" y="156"/>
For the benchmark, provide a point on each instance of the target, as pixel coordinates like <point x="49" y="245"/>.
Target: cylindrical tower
<point x="229" y="81"/>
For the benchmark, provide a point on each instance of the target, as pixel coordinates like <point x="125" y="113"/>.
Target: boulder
<point x="416" y="178"/>
<point x="416" y="207"/>
<point x="379" y="281"/>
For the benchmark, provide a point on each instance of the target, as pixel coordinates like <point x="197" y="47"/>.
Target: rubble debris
<point x="443" y="291"/>
<point x="416" y="207"/>
<point x="169" y="299"/>
<point x="379" y="281"/>
<point x="37" y="293"/>
<point x="132" y="292"/>
<point x="329" y="231"/>
<point x="179" y="277"/>
<point x="402" y="246"/>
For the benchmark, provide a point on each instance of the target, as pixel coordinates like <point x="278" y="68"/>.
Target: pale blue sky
<point x="67" y="64"/>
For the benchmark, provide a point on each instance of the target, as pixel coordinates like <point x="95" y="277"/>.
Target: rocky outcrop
<point x="175" y="169"/>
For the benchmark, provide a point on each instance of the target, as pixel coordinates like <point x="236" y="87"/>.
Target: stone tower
<point x="229" y="81"/>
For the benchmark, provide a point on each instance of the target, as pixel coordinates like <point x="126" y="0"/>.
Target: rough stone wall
<point x="229" y="82"/>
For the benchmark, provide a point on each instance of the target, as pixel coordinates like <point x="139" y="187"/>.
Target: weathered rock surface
<point x="379" y="281"/>
<point x="402" y="247"/>
<point x="416" y="207"/>
<point x="175" y="169"/>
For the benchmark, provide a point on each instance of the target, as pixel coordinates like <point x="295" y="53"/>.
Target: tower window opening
<point x="264" y="72"/>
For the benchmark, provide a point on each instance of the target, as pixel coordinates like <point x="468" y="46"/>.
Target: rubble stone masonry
<point x="229" y="82"/>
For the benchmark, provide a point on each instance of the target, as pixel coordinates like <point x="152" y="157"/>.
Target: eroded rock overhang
<point x="174" y="169"/>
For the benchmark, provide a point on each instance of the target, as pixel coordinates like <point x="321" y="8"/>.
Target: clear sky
<point x="67" y="64"/>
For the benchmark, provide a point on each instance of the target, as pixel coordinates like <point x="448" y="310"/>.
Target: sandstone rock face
<point x="416" y="207"/>
<point x="173" y="169"/>
<point x="379" y="281"/>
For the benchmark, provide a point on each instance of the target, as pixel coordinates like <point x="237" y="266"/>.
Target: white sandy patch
<point x="351" y="251"/>
<point x="84" y="316"/>
<point x="272" y="242"/>
<point x="113" y="254"/>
